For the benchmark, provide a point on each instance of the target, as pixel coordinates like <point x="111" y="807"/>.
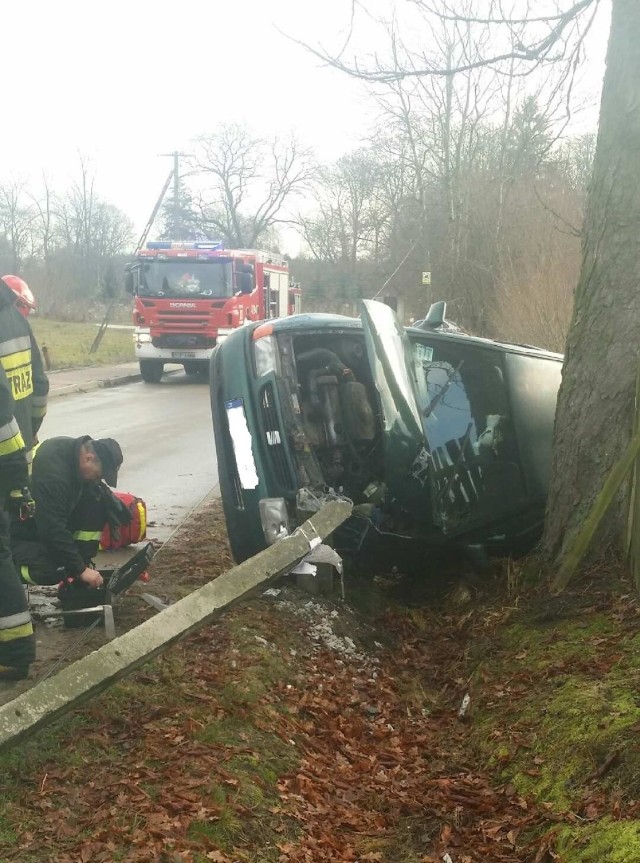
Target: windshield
<point x="186" y="278"/>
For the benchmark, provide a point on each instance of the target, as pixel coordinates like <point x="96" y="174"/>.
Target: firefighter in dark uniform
<point x="23" y="393"/>
<point x="70" y="486"/>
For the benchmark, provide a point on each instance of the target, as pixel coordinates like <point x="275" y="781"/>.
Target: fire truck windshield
<point x="186" y="278"/>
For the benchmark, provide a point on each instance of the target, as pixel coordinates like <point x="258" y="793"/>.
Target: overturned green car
<point x="442" y="441"/>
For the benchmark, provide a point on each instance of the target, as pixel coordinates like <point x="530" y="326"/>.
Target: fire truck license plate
<point x="183" y="355"/>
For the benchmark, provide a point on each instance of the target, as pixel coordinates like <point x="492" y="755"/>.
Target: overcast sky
<point x="122" y="82"/>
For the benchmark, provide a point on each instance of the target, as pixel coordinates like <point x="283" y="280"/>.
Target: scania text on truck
<point x="190" y="295"/>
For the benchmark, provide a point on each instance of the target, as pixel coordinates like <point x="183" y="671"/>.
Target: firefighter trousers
<point x="86" y="522"/>
<point x="17" y="640"/>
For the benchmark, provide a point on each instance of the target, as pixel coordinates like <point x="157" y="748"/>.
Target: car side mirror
<point x="128" y="282"/>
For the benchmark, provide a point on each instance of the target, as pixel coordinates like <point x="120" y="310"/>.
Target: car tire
<point x="196" y="368"/>
<point x="151" y="371"/>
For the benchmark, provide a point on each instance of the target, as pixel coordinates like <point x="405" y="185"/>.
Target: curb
<point x="100" y="384"/>
<point x="90" y="386"/>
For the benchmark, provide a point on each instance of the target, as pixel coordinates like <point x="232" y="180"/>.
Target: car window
<point x="474" y="461"/>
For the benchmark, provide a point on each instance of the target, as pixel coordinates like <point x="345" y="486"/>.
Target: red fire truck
<point x="188" y="296"/>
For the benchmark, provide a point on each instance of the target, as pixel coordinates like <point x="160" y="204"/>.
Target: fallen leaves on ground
<point x="248" y="742"/>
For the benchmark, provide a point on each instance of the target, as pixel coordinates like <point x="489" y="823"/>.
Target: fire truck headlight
<point x="142" y="337"/>
<point x="274" y="518"/>
<point x="266" y="354"/>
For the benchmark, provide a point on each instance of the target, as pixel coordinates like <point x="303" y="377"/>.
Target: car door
<point x="392" y="368"/>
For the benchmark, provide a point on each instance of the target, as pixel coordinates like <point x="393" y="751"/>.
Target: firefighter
<point x="23" y="398"/>
<point x="25" y="302"/>
<point x="70" y="486"/>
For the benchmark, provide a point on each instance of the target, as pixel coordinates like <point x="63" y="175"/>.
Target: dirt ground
<point x="481" y="721"/>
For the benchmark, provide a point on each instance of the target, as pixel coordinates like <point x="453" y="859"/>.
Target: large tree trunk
<point x="595" y="409"/>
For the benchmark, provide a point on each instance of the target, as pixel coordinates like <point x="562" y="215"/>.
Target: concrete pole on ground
<point x="87" y="677"/>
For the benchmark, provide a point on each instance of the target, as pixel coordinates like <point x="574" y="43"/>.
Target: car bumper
<point x="146" y="351"/>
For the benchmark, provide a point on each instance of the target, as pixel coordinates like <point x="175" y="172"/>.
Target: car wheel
<point x="151" y="371"/>
<point x="195" y="368"/>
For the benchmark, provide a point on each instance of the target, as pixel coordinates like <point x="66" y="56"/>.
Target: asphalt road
<point x="166" y="437"/>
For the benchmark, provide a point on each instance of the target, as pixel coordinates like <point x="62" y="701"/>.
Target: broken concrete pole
<point x="94" y="673"/>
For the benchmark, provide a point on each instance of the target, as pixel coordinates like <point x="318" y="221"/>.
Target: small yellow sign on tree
<point x="426" y="278"/>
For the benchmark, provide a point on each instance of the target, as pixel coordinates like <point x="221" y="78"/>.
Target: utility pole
<point x="176" y="156"/>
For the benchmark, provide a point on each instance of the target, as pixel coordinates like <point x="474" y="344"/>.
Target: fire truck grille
<point x="182" y="315"/>
<point x="182" y="320"/>
<point x="275" y="438"/>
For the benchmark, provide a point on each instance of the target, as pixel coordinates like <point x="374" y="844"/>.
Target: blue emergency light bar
<point x="209" y="246"/>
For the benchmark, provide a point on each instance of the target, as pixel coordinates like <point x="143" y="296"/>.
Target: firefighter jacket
<point x="57" y="487"/>
<point x="23" y="393"/>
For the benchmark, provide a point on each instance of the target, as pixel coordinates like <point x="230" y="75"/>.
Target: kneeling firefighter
<point x="23" y="398"/>
<point x="70" y="486"/>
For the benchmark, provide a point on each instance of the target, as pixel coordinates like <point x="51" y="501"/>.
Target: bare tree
<point x="112" y="231"/>
<point x="44" y="228"/>
<point x="458" y="149"/>
<point x="351" y="209"/>
<point x="75" y="211"/>
<point x="519" y="37"/>
<point x="248" y="182"/>
<point x="64" y="243"/>
<point x="16" y="217"/>
<point x="85" y="233"/>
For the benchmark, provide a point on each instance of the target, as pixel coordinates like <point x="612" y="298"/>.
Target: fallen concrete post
<point x="94" y="673"/>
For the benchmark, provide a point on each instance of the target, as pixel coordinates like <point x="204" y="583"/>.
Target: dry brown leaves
<point x="375" y="775"/>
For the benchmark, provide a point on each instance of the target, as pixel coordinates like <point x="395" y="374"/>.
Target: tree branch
<point x="536" y="52"/>
<point x="543" y="19"/>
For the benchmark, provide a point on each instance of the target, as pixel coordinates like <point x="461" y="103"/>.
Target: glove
<point x="21" y="503"/>
<point x="118" y="513"/>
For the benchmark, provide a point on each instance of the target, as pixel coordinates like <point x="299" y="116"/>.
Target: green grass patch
<point x="542" y="647"/>
<point x="46" y="746"/>
<point x="224" y="832"/>
<point x="574" y="734"/>
<point x="556" y="702"/>
<point x="260" y="754"/>
<point x="8" y="835"/>
<point x="68" y="343"/>
<point x="604" y="841"/>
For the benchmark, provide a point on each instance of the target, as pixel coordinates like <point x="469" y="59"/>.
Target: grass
<point x="68" y="343"/>
<point x="557" y="698"/>
<point x="607" y="841"/>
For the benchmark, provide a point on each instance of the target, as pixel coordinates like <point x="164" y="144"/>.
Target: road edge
<point x="106" y="383"/>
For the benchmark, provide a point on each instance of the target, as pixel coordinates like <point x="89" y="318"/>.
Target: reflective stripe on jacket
<point x="23" y="382"/>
